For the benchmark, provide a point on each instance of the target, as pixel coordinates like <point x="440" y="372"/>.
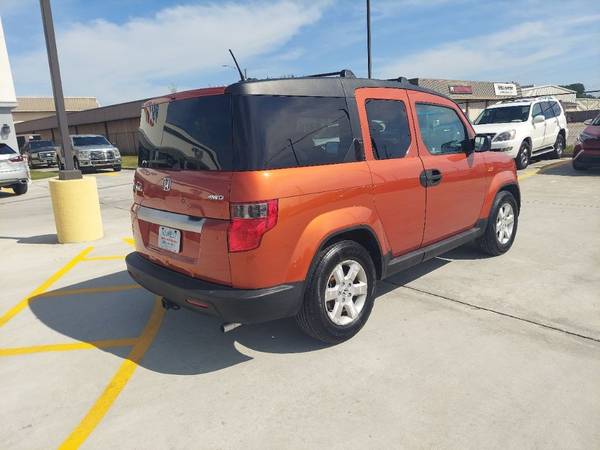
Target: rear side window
<point x="537" y="110"/>
<point x="556" y="109"/>
<point x="196" y="135"/>
<point x="547" y="110"/>
<point x="274" y="132"/>
<point x="441" y="129"/>
<point x="6" y="150"/>
<point x="388" y="126"/>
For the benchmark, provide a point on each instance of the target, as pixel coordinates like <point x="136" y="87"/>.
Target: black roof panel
<point x="317" y="86"/>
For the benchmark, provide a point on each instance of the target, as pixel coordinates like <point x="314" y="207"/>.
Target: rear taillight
<point x="249" y="221"/>
<point x="16" y="159"/>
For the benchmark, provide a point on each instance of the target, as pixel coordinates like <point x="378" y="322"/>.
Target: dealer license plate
<point x="169" y="239"/>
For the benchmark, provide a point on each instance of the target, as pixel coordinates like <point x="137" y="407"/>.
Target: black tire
<point x="524" y="155"/>
<point x="19" y="188"/>
<point x="559" y="147"/>
<point x="59" y="164"/>
<point x="578" y="166"/>
<point x="76" y="164"/>
<point x="117" y="168"/>
<point x="489" y="242"/>
<point x="313" y="317"/>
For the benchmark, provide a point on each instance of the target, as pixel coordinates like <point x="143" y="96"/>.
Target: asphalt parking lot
<point x="460" y="352"/>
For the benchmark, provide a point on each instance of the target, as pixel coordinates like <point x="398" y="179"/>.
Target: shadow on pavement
<point x="187" y="343"/>
<point x="40" y="239"/>
<point x="566" y="169"/>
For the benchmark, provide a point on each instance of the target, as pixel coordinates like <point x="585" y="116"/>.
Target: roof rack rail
<point x="399" y="79"/>
<point x="344" y="73"/>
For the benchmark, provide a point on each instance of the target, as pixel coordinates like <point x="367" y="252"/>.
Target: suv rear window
<point x="276" y="132"/>
<point x="254" y="132"/>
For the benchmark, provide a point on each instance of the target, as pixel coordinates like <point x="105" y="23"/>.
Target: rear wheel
<point x="559" y="146"/>
<point x="502" y="224"/>
<point x="578" y="166"/>
<point x="522" y="158"/>
<point x="117" y="168"/>
<point x="339" y="293"/>
<point x="19" y="188"/>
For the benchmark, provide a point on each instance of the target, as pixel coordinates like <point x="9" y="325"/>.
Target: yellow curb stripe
<point x="118" y="382"/>
<point x="541" y="170"/>
<point x="107" y="343"/>
<point x="104" y="258"/>
<point x="44" y="286"/>
<point x="98" y="290"/>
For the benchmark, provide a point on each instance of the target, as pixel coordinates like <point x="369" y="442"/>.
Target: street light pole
<point x="69" y="172"/>
<point x="369" y="37"/>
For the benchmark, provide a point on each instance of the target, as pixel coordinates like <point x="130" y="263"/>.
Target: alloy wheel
<point x="346" y="292"/>
<point x="505" y="223"/>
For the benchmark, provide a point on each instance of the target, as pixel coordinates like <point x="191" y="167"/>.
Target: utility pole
<point x="69" y="172"/>
<point x="369" y="37"/>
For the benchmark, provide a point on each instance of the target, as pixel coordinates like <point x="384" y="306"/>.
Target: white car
<point x="525" y="128"/>
<point x="14" y="172"/>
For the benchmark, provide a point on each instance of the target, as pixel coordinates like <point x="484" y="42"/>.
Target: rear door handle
<point x="430" y="177"/>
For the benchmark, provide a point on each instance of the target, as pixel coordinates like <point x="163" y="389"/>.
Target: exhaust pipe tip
<point x="168" y="304"/>
<point x="226" y="327"/>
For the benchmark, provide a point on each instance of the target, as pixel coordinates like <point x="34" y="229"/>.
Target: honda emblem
<point x="166" y="183"/>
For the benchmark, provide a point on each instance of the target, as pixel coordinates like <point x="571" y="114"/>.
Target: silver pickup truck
<point x="92" y="151"/>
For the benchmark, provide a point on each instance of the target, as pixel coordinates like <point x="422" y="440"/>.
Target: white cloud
<point x="142" y="56"/>
<point x="516" y="53"/>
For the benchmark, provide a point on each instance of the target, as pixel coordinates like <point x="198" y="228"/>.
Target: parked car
<point x="292" y="197"/>
<point x="525" y="128"/>
<point x="13" y="170"/>
<point x="586" y="153"/>
<point x="40" y="153"/>
<point x="92" y="151"/>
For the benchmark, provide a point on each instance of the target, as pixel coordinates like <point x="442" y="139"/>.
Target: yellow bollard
<point x="76" y="209"/>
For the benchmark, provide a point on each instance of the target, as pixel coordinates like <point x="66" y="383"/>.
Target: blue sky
<point x="119" y="50"/>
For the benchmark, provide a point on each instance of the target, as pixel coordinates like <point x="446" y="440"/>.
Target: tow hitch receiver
<point x="168" y="304"/>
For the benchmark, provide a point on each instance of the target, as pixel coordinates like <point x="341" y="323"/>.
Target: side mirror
<point x="587" y="122"/>
<point x="482" y="143"/>
<point x="539" y="119"/>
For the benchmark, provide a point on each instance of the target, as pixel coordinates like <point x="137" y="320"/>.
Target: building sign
<point x="509" y="89"/>
<point x="460" y="89"/>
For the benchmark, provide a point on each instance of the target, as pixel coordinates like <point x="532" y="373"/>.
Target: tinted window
<point x="441" y="129"/>
<point x="537" y="110"/>
<point x="388" y="126"/>
<point x="273" y="132"/>
<point x="556" y="109"/>
<point x="6" y="150"/>
<point x="547" y="110"/>
<point x="504" y="114"/>
<point x="40" y="144"/>
<point x="196" y="135"/>
<point x="85" y="141"/>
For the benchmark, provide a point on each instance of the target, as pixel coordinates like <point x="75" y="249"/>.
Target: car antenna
<point x="238" y="66"/>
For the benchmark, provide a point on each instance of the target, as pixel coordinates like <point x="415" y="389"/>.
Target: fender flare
<point x="502" y="181"/>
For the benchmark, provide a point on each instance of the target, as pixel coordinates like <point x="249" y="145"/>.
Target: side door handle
<point x="430" y="177"/>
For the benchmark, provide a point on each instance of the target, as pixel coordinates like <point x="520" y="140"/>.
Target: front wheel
<point x="559" y="146"/>
<point x="501" y="228"/>
<point x="339" y="293"/>
<point x="117" y="168"/>
<point x="522" y="158"/>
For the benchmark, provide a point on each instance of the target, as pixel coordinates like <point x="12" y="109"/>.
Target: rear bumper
<point x="228" y="303"/>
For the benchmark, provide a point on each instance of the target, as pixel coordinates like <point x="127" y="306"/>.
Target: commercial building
<point x="472" y="96"/>
<point x="8" y="100"/>
<point x="119" y="123"/>
<point x="31" y="108"/>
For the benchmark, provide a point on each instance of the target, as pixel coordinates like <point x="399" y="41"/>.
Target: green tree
<point x="579" y="88"/>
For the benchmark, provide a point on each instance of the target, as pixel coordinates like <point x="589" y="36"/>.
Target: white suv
<point x="525" y="128"/>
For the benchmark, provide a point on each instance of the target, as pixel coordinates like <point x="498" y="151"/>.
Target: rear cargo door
<point x="181" y="210"/>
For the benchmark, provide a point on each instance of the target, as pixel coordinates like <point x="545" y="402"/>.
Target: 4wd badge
<point x="166" y="184"/>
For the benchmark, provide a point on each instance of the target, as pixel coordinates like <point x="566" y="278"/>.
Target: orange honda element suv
<point x="292" y="197"/>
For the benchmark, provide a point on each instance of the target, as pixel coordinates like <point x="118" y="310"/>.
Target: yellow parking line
<point x="129" y="241"/>
<point x="118" y="382"/>
<point x="44" y="286"/>
<point x="107" y="343"/>
<point x="541" y="170"/>
<point x="98" y="290"/>
<point x="104" y="258"/>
